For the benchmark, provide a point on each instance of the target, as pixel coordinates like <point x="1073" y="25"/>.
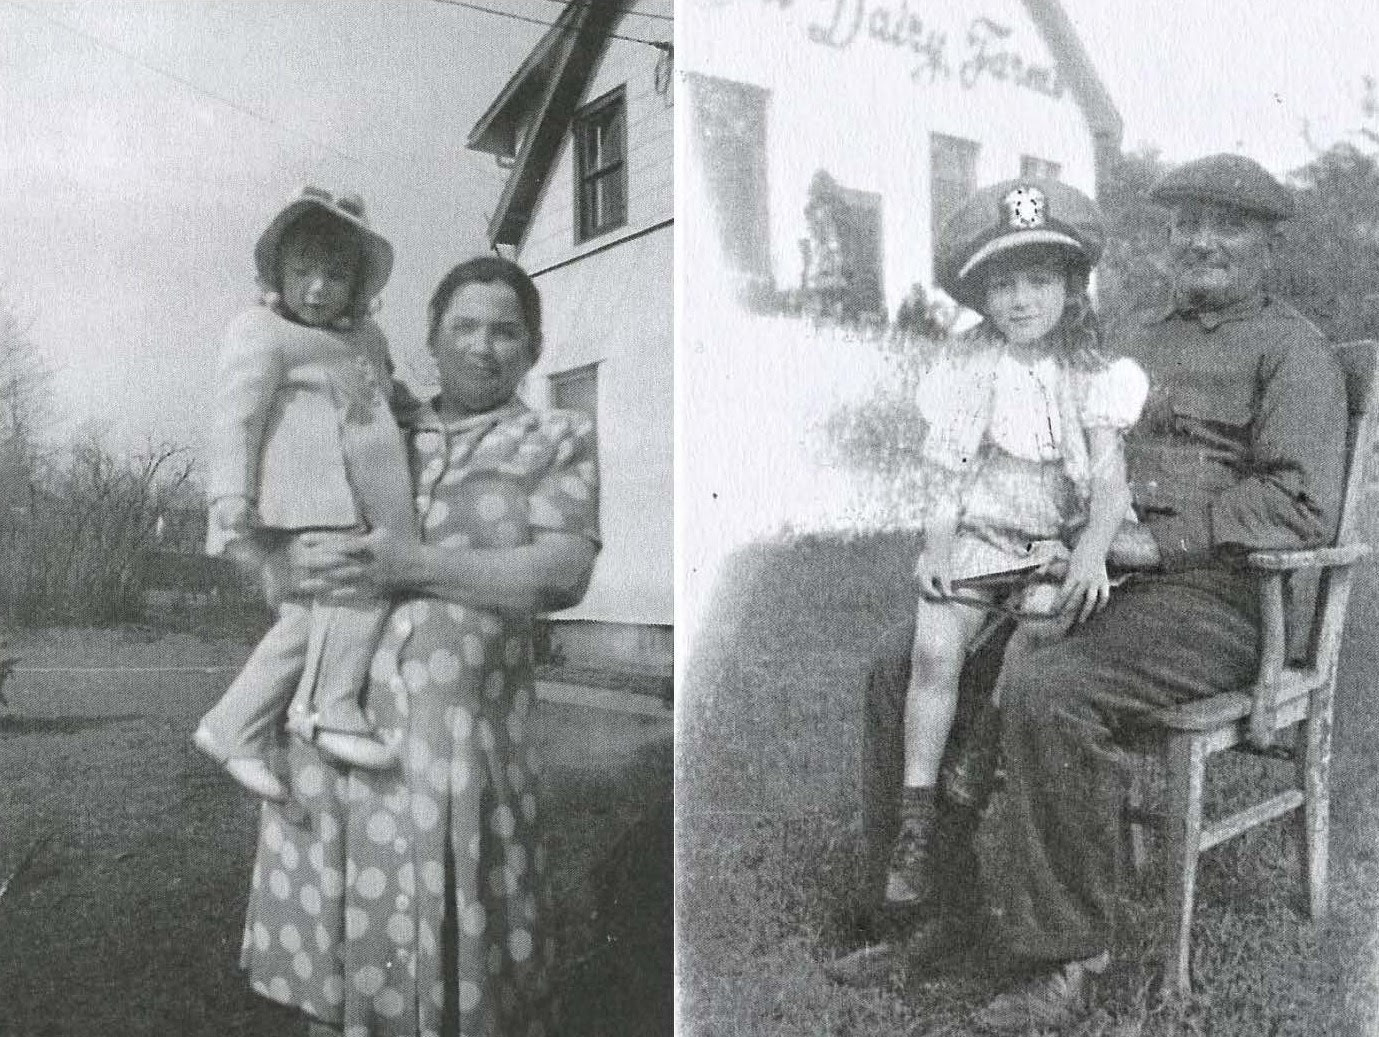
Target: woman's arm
<point x="550" y="573"/>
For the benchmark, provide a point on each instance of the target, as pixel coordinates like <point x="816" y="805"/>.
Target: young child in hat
<point x="1022" y="452"/>
<point x="305" y="438"/>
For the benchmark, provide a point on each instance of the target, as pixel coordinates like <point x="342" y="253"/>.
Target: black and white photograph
<point x="336" y="512"/>
<point x="1026" y="625"/>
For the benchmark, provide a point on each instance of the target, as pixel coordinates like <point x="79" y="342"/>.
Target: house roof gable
<point x="1060" y="36"/>
<point x="549" y="84"/>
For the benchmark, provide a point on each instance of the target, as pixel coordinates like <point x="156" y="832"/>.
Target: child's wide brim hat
<point x="376" y="253"/>
<point x="1010" y="215"/>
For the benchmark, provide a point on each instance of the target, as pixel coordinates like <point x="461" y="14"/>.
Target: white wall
<point x="859" y="112"/>
<point x="613" y="306"/>
<point x="614" y="309"/>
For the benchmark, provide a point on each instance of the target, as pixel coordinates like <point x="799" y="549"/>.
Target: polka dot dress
<point x="414" y="901"/>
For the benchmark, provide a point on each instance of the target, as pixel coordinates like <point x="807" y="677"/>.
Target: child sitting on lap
<point x="1023" y="445"/>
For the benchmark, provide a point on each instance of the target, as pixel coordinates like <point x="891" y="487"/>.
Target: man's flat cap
<point x="1232" y="180"/>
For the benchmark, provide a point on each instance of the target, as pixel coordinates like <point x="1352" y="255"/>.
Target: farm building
<point x="585" y="125"/>
<point x="833" y="137"/>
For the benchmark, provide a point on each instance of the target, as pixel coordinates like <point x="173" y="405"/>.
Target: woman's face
<point x="482" y="347"/>
<point x="318" y="277"/>
<point x="1025" y="300"/>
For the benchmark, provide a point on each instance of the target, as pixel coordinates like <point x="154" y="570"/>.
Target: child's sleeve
<point x="250" y="372"/>
<point x="1113" y="398"/>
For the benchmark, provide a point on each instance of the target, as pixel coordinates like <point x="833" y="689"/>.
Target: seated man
<point x="1241" y="447"/>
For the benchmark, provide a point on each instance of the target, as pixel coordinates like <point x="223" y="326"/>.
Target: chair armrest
<point x="1316" y="558"/>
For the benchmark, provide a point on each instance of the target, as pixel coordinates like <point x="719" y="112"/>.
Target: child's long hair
<point x="1077" y="337"/>
<point x="1080" y="327"/>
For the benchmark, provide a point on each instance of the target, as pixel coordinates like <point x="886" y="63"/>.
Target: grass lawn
<point x="767" y="799"/>
<point x="127" y="921"/>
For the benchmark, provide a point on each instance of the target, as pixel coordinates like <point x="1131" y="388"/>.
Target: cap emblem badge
<point x="1025" y="208"/>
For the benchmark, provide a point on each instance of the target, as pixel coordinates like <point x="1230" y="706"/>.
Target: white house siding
<point x="650" y="149"/>
<point x="864" y="111"/>
<point x="614" y="309"/>
<point x="608" y="301"/>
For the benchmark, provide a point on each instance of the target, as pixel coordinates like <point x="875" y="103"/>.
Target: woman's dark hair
<point x="488" y="270"/>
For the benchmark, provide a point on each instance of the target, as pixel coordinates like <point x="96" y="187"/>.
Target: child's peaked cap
<point x="1014" y="214"/>
<point x="377" y="254"/>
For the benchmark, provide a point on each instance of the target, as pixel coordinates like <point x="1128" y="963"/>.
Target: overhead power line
<point x="661" y="45"/>
<point x="631" y="14"/>
<point x="197" y="88"/>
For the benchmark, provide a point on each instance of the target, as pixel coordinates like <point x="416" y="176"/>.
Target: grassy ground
<point x="127" y="920"/>
<point x="767" y="797"/>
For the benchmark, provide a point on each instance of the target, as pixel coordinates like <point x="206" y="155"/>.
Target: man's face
<point x="1219" y="254"/>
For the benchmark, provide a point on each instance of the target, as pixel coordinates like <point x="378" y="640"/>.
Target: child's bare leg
<point x="942" y="633"/>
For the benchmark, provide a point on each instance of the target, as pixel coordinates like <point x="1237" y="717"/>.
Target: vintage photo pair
<point x="1014" y="639"/>
<point x="790" y="520"/>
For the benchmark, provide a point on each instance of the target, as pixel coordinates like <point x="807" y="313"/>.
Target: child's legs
<point x="943" y="631"/>
<point x="343" y="638"/>
<point x="242" y="723"/>
<point x="376" y="459"/>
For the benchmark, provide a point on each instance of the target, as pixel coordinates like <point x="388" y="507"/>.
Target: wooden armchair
<point x="1288" y="695"/>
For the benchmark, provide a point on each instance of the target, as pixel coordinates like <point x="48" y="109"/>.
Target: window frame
<point x="970" y="150"/>
<point x="1032" y="166"/>
<point x="555" y="379"/>
<point x="614" y="102"/>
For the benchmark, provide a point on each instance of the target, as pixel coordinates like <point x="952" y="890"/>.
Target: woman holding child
<point x="412" y="899"/>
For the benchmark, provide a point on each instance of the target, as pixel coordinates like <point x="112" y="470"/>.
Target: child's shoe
<point x="360" y="750"/>
<point x="343" y="733"/>
<point x="909" y="880"/>
<point x="250" y="771"/>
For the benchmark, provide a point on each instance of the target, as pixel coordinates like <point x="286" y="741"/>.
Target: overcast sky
<point x="1199" y="76"/>
<point x="144" y="145"/>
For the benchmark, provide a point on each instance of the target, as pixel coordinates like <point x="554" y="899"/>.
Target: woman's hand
<point x="1087" y="587"/>
<point x="934" y="569"/>
<point x="343" y="566"/>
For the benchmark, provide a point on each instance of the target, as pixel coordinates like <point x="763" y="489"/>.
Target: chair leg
<point x="1186" y="762"/>
<point x="1314" y="767"/>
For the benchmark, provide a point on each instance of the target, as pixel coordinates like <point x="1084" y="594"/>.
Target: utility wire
<point x="596" y="3"/>
<point x="657" y="44"/>
<point x="221" y="98"/>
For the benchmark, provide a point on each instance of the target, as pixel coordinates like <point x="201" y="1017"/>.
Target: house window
<point x="600" y="130"/>
<point x="730" y="133"/>
<point x="842" y="254"/>
<point x="1039" y="167"/>
<point x="577" y="389"/>
<point x="952" y="177"/>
